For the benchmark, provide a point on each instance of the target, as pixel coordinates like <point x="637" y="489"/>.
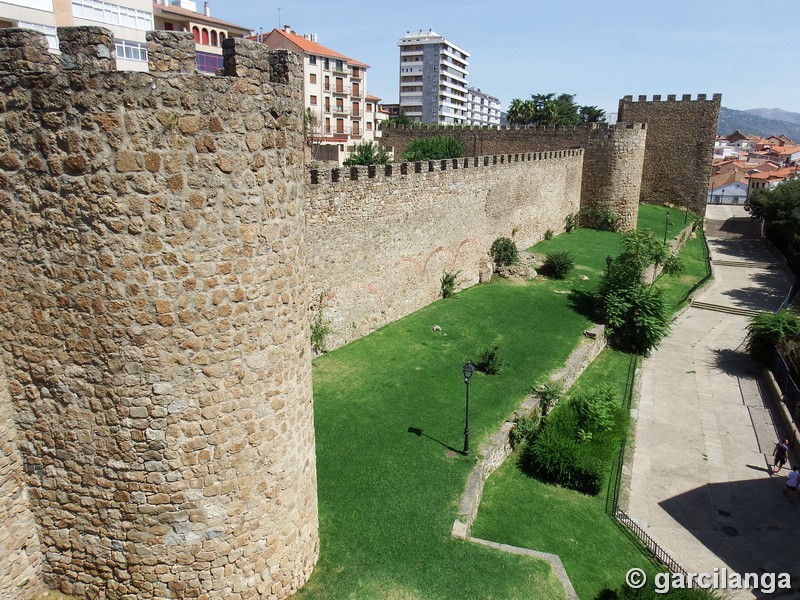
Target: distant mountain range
<point x="760" y="121"/>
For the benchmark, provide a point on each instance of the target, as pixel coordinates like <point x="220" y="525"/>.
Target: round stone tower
<point x="154" y="316"/>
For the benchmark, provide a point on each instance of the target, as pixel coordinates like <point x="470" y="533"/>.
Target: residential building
<point x="433" y="79"/>
<point x="765" y="181"/>
<point x="373" y="115"/>
<point x="209" y="33"/>
<point x="727" y="188"/>
<point x="335" y="94"/>
<point x="482" y="109"/>
<point x="129" y="20"/>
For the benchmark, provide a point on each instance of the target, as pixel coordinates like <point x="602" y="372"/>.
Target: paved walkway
<point x="699" y="482"/>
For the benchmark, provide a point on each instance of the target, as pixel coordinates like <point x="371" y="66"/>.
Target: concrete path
<point x="705" y="431"/>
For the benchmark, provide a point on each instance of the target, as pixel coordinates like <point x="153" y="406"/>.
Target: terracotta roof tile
<point x="309" y="47"/>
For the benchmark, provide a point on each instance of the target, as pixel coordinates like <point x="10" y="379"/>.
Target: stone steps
<point x="731" y="310"/>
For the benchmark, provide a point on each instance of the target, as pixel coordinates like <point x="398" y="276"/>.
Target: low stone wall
<point x="498" y="448"/>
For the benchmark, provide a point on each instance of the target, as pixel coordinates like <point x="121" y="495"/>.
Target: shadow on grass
<point x="419" y="433"/>
<point x="584" y="303"/>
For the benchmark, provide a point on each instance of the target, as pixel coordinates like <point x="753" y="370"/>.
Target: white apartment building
<point x="128" y="20"/>
<point x="335" y="91"/>
<point x="482" y="109"/>
<point x="433" y="79"/>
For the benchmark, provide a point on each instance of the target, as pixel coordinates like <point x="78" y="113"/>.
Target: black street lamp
<point x="609" y="260"/>
<point x="468" y="369"/>
<point x="666" y="224"/>
<point x="686" y="216"/>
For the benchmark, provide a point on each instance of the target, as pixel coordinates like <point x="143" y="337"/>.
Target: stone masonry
<point x="154" y="327"/>
<point x="612" y="165"/>
<point x="380" y="238"/>
<point x="680" y="146"/>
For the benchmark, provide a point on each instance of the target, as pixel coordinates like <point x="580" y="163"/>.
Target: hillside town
<point x="744" y="164"/>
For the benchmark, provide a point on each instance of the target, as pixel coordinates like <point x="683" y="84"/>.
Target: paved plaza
<point x="706" y="425"/>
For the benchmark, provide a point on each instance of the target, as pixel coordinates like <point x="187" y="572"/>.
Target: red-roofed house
<point x="762" y="181"/>
<point x="182" y="15"/>
<point x="335" y="92"/>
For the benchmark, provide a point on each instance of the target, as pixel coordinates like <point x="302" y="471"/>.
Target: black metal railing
<point x="658" y="552"/>
<point x="783" y="377"/>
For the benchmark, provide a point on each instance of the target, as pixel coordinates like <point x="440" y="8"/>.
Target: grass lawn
<point x="522" y="511"/>
<point x="389" y="421"/>
<point x="519" y="510"/>
<point x="389" y="413"/>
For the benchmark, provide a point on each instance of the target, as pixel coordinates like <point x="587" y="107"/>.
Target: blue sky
<point x="599" y="51"/>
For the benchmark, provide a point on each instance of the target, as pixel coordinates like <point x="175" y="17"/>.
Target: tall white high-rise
<point x="433" y="79"/>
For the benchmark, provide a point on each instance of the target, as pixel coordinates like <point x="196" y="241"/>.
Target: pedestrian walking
<point x="792" y="481"/>
<point x="780" y="453"/>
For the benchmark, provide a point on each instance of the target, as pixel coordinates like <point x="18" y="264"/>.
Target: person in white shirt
<point x="792" y="481"/>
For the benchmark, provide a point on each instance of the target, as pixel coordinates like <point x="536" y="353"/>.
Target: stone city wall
<point x="154" y="321"/>
<point x="380" y="238"/>
<point x="680" y="147"/>
<point x="612" y="165"/>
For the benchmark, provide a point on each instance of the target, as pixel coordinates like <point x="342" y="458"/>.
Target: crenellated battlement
<point x="378" y="172"/>
<point x="427" y="127"/>
<point x="674" y="98"/>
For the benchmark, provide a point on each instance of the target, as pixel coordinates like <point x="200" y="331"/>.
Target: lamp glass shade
<point x="468" y="369"/>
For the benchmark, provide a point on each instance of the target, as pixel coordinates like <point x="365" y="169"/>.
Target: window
<point x="49" y="32"/>
<point x="113" y="14"/>
<point x="208" y="63"/>
<point x="356" y="109"/>
<point x="369" y="125"/>
<point x="312" y="78"/>
<point x="130" y="50"/>
<point x="369" y="106"/>
<point x="326" y="64"/>
<point x="339" y="65"/>
<point x="213" y="38"/>
<point x="339" y="125"/>
<point x="313" y="100"/>
<point x="196" y="33"/>
<point x="356" y="128"/>
<point x="221" y="38"/>
<point x="169" y="27"/>
<point x="312" y="60"/>
<point x="356" y="90"/>
<point x="204" y="36"/>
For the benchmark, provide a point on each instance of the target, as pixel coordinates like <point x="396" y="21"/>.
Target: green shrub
<point x="449" y="282"/>
<point x="769" y="330"/>
<point x="556" y="458"/>
<point x="599" y="218"/>
<point x="649" y="592"/>
<point x="570" y="222"/>
<point x="504" y="251"/>
<point x="558" y="264"/>
<point x="596" y="410"/>
<point x="367" y="153"/>
<point x="489" y="361"/>
<point x="550" y="394"/>
<point x="433" y="148"/>
<point x="320" y="327"/>
<point x="524" y="430"/>
<point x="548" y="235"/>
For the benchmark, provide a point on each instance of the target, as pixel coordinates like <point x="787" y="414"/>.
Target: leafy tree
<point x="434" y="148"/>
<point x="367" y="153"/>
<point x="779" y="207"/>
<point x="634" y="311"/>
<point x="401" y="119"/>
<point x="592" y="114"/>
<point x="769" y="330"/>
<point x="550" y="109"/>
